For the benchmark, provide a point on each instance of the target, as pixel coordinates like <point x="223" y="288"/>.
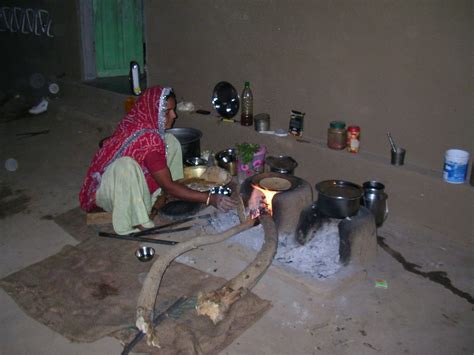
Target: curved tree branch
<point x="215" y="304"/>
<point x="148" y="294"/>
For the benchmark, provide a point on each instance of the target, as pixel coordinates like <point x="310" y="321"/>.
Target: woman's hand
<point x="163" y="179"/>
<point x="222" y="202"/>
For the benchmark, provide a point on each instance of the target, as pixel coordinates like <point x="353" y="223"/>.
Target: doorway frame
<point x="87" y="42"/>
<point x="86" y="14"/>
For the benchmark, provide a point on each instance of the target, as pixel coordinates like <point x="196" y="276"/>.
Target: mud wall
<point x="415" y="196"/>
<point x="398" y="66"/>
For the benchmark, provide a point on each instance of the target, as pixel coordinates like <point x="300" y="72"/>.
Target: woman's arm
<point x="163" y="179"/>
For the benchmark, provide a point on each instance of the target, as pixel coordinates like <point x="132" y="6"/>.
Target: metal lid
<point x="225" y="99"/>
<point x="339" y="189"/>
<point x="281" y="162"/>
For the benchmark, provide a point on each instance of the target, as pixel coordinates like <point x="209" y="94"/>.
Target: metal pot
<point x="377" y="204"/>
<point x="281" y="164"/>
<point x="373" y="186"/>
<point x="338" y="198"/>
<point x="190" y="140"/>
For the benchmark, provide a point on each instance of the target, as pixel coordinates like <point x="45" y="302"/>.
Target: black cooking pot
<point x="338" y="198"/>
<point x="189" y="139"/>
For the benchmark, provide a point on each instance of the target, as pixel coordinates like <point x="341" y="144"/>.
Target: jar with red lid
<point x="353" y="139"/>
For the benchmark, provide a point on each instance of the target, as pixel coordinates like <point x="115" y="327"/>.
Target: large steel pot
<point x="338" y="198"/>
<point x="190" y="140"/>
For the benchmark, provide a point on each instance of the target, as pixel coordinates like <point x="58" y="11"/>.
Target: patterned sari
<point x="140" y="132"/>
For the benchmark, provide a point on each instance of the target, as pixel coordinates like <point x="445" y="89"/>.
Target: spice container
<point x="262" y="122"/>
<point x="337" y="135"/>
<point x="296" y="123"/>
<point x="353" y="139"/>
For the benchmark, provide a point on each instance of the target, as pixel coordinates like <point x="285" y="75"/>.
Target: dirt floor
<point x="422" y="311"/>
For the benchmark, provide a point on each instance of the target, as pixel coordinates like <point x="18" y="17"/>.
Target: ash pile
<point x="318" y="257"/>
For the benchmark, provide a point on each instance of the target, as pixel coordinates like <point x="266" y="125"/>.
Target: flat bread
<point x="201" y="187"/>
<point x="275" y="184"/>
<point x="198" y="184"/>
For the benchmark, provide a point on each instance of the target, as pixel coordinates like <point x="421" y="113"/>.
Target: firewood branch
<point x="215" y="304"/>
<point x="148" y="294"/>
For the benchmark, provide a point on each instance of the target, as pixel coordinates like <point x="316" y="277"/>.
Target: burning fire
<point x="260" y="201"/>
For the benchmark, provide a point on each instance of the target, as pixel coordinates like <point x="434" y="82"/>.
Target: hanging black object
<point x="134" y="78"/>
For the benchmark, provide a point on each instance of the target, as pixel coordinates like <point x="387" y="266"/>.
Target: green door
<point x="118" y="36"/>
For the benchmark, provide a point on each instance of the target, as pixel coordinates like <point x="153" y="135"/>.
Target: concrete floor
<point x="413" y="316"/>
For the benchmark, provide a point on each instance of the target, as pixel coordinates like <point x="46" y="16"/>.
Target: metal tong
<point x="392" y="143"/>
<point x="142" y="239"/>
<point x="138" y="236"/>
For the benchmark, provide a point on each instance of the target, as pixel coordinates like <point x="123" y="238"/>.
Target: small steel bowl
<point x="221" y="190"/>
<point x="195" y="161"/>
<point x="145" y="253"/>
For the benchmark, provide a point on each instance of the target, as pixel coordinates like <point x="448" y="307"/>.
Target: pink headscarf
<point x="140" y="132"/>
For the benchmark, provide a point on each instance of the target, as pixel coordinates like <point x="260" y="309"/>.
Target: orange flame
<point x="267" y="196"/>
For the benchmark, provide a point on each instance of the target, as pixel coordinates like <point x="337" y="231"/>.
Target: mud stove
<point x="310" y="243"/>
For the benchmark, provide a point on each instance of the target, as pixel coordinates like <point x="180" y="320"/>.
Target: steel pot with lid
<point x="338" y="198"/>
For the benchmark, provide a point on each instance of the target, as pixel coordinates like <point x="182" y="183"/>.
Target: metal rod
<point x="159" y="318"/>
<point x="156" y="230"/>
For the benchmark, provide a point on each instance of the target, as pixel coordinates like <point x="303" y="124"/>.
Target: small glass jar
<point x="353" y="139"/>
<point x="337" y="135"/>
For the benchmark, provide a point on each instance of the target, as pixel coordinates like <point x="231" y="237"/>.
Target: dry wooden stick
<point x="215" y="304"/>
<point x="148" y="294"/>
